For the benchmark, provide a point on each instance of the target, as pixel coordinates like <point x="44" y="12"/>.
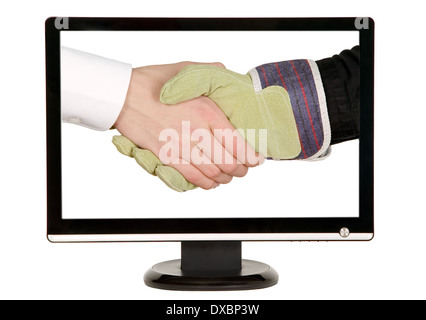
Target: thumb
<point x="174" y="68"/>
<point x="198" y="80"/>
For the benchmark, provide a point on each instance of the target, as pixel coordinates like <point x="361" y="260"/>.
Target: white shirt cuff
<point x="93" y="88"/>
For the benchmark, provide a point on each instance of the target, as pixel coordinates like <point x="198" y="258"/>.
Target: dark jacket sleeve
<point x="340" y="77"/>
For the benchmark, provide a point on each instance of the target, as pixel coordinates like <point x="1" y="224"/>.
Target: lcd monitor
<point x="96" y="194"/>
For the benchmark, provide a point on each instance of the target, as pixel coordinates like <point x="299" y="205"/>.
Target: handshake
<point x="194" y="124"/>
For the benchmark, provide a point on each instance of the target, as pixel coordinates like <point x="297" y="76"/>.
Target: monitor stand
<point x="211" y="266"/>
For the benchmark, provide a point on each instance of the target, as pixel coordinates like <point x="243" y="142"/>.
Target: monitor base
<point x="211" y="266"/>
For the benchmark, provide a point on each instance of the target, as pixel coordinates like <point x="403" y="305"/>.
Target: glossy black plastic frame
<point x="58" y="226"/>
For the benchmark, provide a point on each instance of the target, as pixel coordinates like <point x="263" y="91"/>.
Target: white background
<point x="99" y="182"/>
<point x="391" y="266"/>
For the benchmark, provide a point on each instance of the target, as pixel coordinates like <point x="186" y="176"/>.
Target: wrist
<point x="128" y="109"/>
<point x="141" y="113"/>
<point x="302" y="81"/>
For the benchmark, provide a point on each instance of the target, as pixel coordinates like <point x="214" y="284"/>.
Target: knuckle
<point x="231" y="168"/>
<point x="214" y="172"/>
<point x="237" y="170"/>
<point x="193" y="177"/>
<point x="219" y="64"/>
<point x="185" y="63"/>
<point x="244" y="171"/>
<point x="208" y="185"/>
<point x="213" y="185"/>
<point x="227" y="179"/>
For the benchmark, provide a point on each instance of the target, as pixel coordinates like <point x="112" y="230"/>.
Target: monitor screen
<point x="96" y="193"/>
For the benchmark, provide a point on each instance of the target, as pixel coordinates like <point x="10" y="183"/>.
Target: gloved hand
<point x="285" y="98"/>
<point x="147" y="160"/>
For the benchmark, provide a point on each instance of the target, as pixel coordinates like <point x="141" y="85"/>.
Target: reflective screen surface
<point x="100" y="183"/>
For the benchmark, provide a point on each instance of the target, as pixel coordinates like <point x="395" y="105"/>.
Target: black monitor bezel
<point x="56" y="225"/>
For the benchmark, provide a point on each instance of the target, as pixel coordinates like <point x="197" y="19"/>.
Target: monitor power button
<point x="344" y="232"/>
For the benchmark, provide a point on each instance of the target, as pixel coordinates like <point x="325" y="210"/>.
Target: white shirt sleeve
<point x="93" y="88"/>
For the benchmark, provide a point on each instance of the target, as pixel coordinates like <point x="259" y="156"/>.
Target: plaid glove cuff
<point x="302" y="80"/>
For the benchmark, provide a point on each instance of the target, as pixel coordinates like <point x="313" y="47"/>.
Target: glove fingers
<point x="146" y="159"/>
<point x="198" y="80"/>
<point x="123" y="145"/>
<point x="170" y="176"/>
<point x="150" y="163"/>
